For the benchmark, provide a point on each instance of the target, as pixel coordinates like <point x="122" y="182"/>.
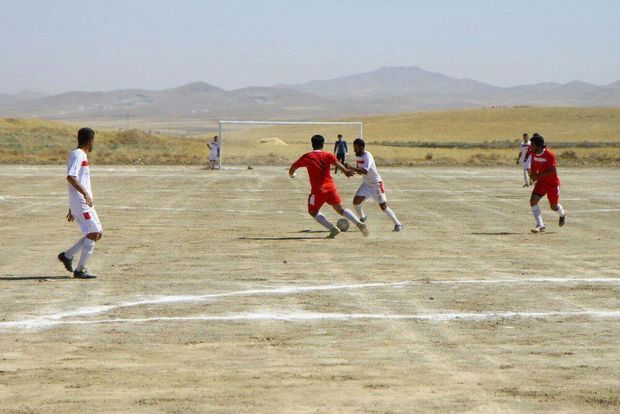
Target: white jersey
<point x="367" y="162"/>
<point x="78" y="167"/>
<point x="523" y="150"/>
<point x="215" y="150"/>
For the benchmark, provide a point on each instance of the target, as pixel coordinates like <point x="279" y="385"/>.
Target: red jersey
<point x="318" y="163"/>
<point x="541" y="163"/>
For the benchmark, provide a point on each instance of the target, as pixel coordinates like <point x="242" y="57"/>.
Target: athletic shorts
<point x="87" y="218"/>
<point x="316" y="200"/>
<point x="525" y="164"/>
<point x="551" y="191"/>
<point x="374" y="191"/>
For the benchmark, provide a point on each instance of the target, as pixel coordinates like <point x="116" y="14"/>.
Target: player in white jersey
<point x="214" y="154"/>
<point x="81" y="208"/>
<point x="372" y="184"/>
<point x="525" y="160"/>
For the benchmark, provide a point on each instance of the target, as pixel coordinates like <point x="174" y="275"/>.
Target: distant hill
<point x="417" y="89"/>
<point x="411" y="82"/>
<point x="383" y="91"/>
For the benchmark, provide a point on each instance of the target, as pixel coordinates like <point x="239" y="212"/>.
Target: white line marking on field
<point x="133" y="208"/>
<point x="57" y="318"/>
<point x="598" y="210"/>
<point x="255" y="211"/>
<point x="314" y="316"/>
<point x="439" y="191"/>
<point x="173" y="209"/>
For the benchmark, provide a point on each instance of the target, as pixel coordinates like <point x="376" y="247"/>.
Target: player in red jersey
<point x="323" y="190"/>
<point x="543" y="172"/>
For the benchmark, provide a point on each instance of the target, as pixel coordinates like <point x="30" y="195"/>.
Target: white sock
<point x="351" y="216"/>
<point x="70" y="252"/>
<point x="392" y="216"/>
<point x="560" y="210"/>
<point x="358" y="208"/>
<point x="323" y="221"/>
<point x="87" y="251"/>
<point x="537" y="215"/>
<point x="525" y="177"/>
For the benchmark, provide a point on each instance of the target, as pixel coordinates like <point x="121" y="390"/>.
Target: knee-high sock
<point x="358" y="208"/>
<point x="560" y="209"/>
<point x="537" y="215"/>
<point x="87" y="251"/>
<point x="323" y="221"/>
<point x="392" y="216"/>
<point x="71" y="251"/>
<point x="525" y="177"/>
<point x="351" y="216"/>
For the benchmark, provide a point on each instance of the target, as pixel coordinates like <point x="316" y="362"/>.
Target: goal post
<point x="273" y="142"/>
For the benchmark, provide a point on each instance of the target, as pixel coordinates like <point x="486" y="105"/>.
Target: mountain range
<point x="386" y="90"/>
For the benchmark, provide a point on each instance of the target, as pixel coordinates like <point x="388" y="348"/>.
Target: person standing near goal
<point x="81" y="207"/>
<point x="543" y="172"/>
<point x="524" y="159"/>
<point x="214" y="148"/>
<point x="323" y="189"/>
<point x="372" y="184"/>
<point x="341" y="151"/>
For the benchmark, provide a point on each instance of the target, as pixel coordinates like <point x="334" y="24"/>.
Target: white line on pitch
<point x="312" y="316"/>
<point x="172" y="209"/>
<point x="598" y="210"/>
<point x="45" y="320"/>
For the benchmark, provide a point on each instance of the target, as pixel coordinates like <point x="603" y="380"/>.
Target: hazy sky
<point x="58" y="46"/>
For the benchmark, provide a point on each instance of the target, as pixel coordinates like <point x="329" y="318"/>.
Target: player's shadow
<point x="495" y="233"/>
<point x="9" y="278"/>
<point x="281" y="238"/>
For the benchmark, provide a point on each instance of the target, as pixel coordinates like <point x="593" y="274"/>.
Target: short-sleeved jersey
<point x="318" y="164"/>
<point x="367" y="162"/>
<point x="215" y="149"/>
<point x="524" y="150"/>
<point x="541" y="163"/>
<point x="78" y="167"/>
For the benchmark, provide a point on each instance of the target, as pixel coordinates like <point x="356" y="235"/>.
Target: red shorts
<point x="316" y="200"/>
<point x="551" y="191"/>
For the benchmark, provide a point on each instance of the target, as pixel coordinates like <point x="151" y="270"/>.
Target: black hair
<point x="339" y="135"/>
<point x="538" y="140"/>
<point x="360" y="142"/>
<point x="317" y="141"/>
<point x="85" y="136"/>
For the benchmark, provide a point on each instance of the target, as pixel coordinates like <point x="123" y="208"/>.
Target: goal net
<point x="249" y="143"/>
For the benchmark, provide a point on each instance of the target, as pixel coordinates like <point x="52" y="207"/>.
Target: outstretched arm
<point x="361" y="171"/>
<point x="347" y="171"/>
<point x="291" y="171"/>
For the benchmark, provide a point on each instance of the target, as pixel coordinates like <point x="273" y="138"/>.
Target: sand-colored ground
<point x="211" y="297"/>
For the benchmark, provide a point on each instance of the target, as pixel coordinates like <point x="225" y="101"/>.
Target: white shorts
<point x="87" y="218"/>
<point x="525" y="165"/>
<point x="374" y="191"/>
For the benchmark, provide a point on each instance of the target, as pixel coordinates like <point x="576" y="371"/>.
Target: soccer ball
<point x="342" y="224"/>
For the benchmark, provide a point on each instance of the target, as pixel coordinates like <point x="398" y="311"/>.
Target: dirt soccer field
<point x="216" y="292"/>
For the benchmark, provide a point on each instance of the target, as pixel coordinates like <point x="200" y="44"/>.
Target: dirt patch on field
<point x="217" y="292"/>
